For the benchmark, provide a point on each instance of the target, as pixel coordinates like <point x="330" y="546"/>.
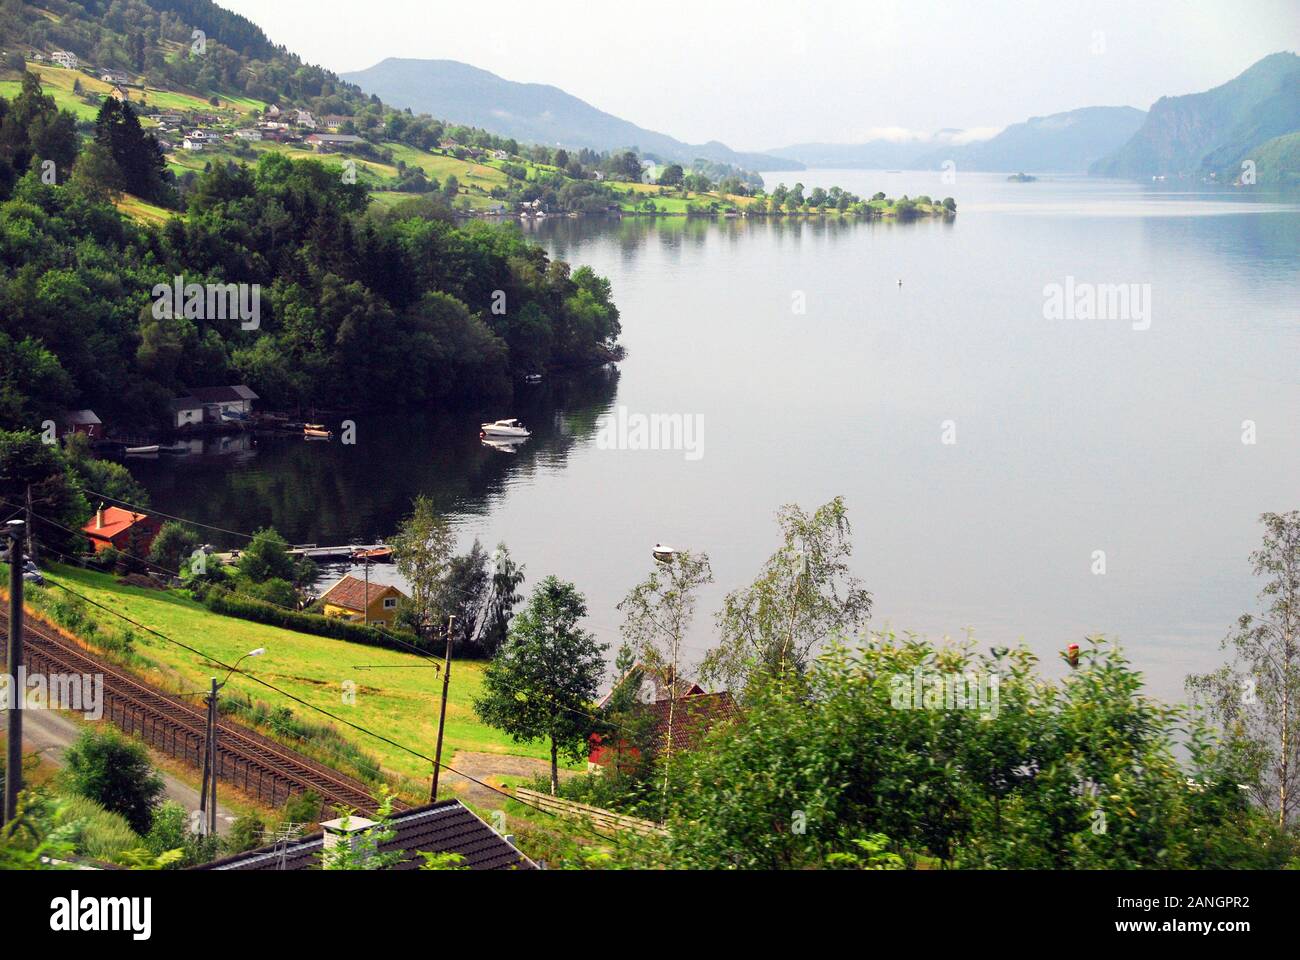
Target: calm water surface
<point x="1072" y="436"/>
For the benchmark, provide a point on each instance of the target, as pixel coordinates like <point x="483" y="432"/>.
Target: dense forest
<point x="356" y="306"/>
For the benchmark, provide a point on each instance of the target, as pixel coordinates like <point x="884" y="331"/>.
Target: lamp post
<point x="208" y="794"/>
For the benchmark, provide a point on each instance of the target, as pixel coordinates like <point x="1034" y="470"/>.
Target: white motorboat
<point x="505" y="429"/>
<point x="141" y="451"/>
<point x="664" y="553"/>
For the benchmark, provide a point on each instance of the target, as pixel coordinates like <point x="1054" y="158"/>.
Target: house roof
<point x="232" y="394"/>
<point x="658" y="678"/>
<point x="81" y="417"/>
<point x="447" y="826"/>
<point x="184" y="403"/>
<point x="693" y="717"/>
<point x="116" y="520"/>
<point x="350" y="592"/>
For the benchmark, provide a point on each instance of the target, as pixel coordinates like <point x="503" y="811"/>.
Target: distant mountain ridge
<point x="1213" y="131"/>
<point x="531" y="112"/>
<point x="1060" y="143"/>
<point x="1066" y="142"/>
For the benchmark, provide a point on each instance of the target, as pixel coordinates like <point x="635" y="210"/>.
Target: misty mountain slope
<point x="532" y="112"/>
<point x="1061" y="143"/>
<point x="1201" y="132"/>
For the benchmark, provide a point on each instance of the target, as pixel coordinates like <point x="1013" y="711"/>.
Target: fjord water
<point x="1072" y="436"/>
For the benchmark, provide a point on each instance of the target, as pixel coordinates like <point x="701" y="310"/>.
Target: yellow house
<point x="351" y="600"/>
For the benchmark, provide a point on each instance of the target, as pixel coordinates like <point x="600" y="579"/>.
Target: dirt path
<point x="490" y="768"/>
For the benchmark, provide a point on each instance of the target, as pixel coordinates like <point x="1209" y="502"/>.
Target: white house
<point x="190" y="143"/>
<point x="185" y="411"/>
<point x="213" y="405"/>
<point x="65" y="58"/>
<point x="249" y="133"/>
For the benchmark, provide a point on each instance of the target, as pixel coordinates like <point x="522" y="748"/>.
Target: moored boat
<point x="505" y="429"/>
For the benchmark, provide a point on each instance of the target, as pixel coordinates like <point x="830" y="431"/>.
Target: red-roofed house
<point x="689" y="715"/>
<point x="121" y="529"/>
<point x="353" y="599"/>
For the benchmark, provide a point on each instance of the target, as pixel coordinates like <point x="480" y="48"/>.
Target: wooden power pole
<point x="442" y="713"/>
<point x="14" y="753"/>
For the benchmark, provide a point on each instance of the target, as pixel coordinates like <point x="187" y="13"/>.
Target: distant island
<point x="1022" y="178"/>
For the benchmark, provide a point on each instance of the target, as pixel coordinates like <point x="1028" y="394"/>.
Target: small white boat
<point x="505" y="429"/>
<point x="664" y="553"/>
<point x="140" y="451"/>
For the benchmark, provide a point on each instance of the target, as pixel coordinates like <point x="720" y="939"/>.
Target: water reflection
<point x="331" y="492"/>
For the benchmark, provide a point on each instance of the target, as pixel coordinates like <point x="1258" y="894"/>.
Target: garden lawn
<point x="397" y="694"/>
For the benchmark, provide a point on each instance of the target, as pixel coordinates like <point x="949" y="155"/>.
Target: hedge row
<point x="222" y="601"/>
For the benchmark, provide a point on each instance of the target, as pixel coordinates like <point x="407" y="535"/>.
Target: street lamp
<point x="208" y="794"/>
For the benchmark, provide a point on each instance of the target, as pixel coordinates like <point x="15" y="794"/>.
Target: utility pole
<point x="14" y="754"/>
<point x="212" y="749"/>
<point x="209" y="764"/>
<point x="442" y="714"/>
<point x="211" y="761"/>
<point x="31" y="536"/>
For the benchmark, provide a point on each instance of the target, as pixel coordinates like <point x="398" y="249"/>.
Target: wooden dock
<point x="314" y="552"/>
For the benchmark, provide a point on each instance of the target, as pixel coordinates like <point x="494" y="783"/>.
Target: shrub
<point x="96" y="832"/>
<point x="171" y="831"/>
<point x="116" y="773"/>
<point x="245" y="834"/>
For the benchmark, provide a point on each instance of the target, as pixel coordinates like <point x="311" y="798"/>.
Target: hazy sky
<point x="767" y="73"/>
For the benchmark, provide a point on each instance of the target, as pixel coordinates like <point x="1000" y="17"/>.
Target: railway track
<point x="256" y="764"/>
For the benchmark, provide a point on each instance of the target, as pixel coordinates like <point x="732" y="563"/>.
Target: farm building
<point x="333" y="141"/>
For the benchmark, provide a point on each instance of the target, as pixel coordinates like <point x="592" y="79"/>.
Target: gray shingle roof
<point x="447" y="826"/>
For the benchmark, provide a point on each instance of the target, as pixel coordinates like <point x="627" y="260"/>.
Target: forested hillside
<point x="1213" y="131"/>
<point x="357" y="306"/>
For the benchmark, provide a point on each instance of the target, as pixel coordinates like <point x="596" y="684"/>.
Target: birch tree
<point x="1256" y="697"/>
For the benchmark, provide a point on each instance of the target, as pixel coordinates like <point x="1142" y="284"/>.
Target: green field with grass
<point x="58" y="82"/>
<point x="396" y="694"/>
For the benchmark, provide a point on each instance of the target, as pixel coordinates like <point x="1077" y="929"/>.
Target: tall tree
<point x="804" y="596"/>
<point x="543" y="681"/>
<point x="422" y="550"/>
<point x="657" y="614"/>
<point x="1256" y="697"/>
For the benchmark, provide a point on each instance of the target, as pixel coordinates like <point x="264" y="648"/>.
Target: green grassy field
<point x="142" y="210"/>
<point x="441" y="167"/>
<point x="58" y="82"/>
<point x="396" y="694"/>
